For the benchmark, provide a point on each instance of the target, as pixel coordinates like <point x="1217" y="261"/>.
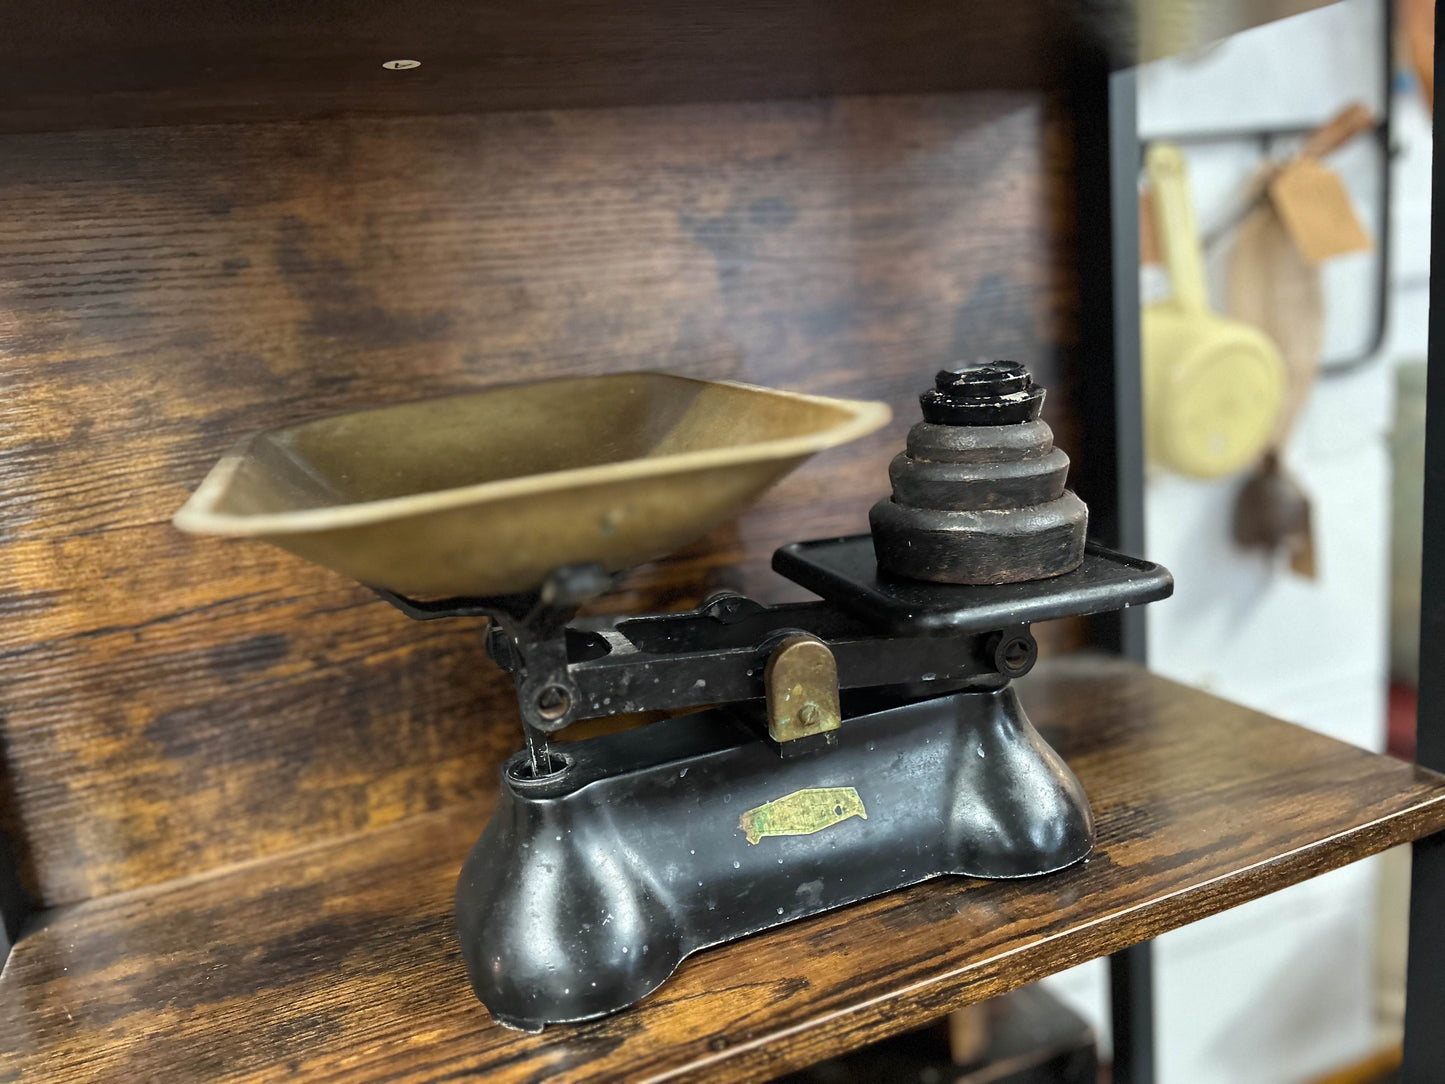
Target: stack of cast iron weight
<point x="979" y="497"/>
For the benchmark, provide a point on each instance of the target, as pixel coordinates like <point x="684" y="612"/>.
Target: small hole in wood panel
<point x="401" y="65"/>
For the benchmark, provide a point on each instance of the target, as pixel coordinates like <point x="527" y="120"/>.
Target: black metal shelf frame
<point x="1424" y="1054"/>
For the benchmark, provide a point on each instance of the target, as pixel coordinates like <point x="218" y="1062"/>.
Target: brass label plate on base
<point x="802" y="813"/>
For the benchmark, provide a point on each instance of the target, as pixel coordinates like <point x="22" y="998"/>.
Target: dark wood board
<point x="76" y="64"/>
<point x="339" y="963"/>
<point x="172" y="704"/>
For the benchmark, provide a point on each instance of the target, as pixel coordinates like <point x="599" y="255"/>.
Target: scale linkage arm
<point x="719" y="653"/>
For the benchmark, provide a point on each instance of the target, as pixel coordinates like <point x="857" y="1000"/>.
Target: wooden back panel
<point x="171" y="704"/>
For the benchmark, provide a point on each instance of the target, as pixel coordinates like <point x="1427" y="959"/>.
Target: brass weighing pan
<point x="488" y="492"/>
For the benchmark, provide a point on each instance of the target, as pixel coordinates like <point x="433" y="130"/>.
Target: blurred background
<point x="1292" y="523"/>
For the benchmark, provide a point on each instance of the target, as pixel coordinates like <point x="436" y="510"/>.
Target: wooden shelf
<point x="338" y="962"/>
<point x="75" y="64"/>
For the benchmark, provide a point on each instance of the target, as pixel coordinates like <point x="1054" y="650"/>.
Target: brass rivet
<point x="801" y="671"/>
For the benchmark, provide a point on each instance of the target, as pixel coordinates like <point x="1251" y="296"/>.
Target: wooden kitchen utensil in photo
<point x="1273" y="511"/>
<point x="1270" y="285"/>
<point x="1311" y="199"/>
<point x="1213" y="387"/>
<point x="1273" y="286"/>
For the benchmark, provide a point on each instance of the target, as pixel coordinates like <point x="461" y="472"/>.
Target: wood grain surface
<point x="73" y="65"/>
<point x="76" y="64"/>
<point x="339" y="962"/>
<point x="173" y="704"/>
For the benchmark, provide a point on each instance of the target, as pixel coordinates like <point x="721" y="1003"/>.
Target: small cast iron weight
<point x="978" y="496"/>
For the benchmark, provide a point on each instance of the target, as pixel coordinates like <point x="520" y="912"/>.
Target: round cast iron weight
<point x="1021" y="406"/>
<point x="988" y="378"/>
<point x="965" y="486"/>
<point x="995" y="393"/>
<point x="978" y="496"/>
<point x="980" y="443"/>
<point x="981" y="547"/>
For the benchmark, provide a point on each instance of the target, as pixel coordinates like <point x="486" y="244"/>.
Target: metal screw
<point x="809" y="715"/>
<point x="401" y="65"/>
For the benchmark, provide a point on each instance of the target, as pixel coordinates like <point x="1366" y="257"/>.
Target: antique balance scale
<point x="843" y="748"/>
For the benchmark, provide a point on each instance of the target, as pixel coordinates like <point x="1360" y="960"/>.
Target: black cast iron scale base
<point x="584" y="894"/>
<point x="610" y="860"/>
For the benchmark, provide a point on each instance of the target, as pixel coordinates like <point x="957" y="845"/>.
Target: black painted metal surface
<point x="1424" y="1042"/>
<point x="844" y="571"/>
<point x="589" y="888"/>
